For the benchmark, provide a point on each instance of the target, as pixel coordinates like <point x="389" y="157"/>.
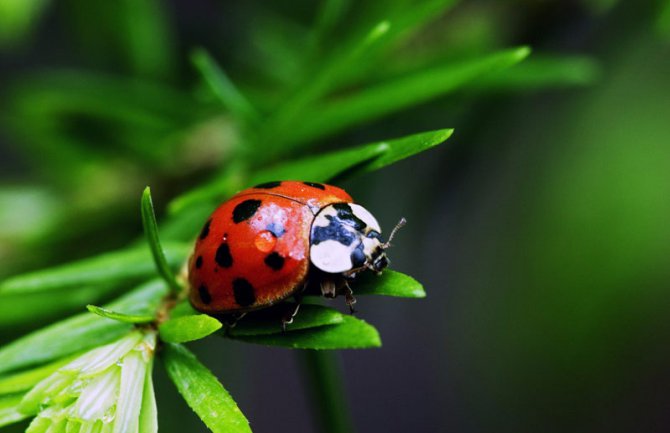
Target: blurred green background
<point x="540" y="230"/>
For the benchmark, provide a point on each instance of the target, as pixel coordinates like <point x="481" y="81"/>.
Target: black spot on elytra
<point x="205" y="230"/>
<point x="358" y="256"/>
<point x="223" y="257"/>
<point x="205" y="297"/>
<point x="274" y="260"/>
<point x="276" y="229"/>
<point x="347" y="216"/>
<point x="198" y="262"/>
<point x="268" y="185"/>
<point x="243" y="292"/>
<point x="245" y="210"/>
<point x="315" y="185"/>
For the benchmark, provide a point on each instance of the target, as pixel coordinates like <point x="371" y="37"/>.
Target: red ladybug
<point x="268" y="242"/>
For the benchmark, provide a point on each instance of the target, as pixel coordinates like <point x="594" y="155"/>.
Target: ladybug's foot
<point x="231" y="320"/>
<point x="289" y="315"/>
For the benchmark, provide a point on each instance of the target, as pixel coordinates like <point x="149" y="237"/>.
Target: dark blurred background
<point x="540" y="229"/>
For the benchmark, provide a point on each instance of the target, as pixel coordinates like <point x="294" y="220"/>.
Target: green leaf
<point x="9" y="410"/>
<point x="385" y="98"/>
<point x="188" y="328"/>
<point x="352" y="333"/>
<point x="151" y="231"/>
<point x="222" y="87"/>
<point x="269" y="322"/>
<point x="327" y="166"/>
<point x="44" y="307"/>
<point x="117" y="266"/>
<point x="203" y="392"/>
<point x="541" y="71"/>
<point x="80" y="332"/>
<point x="390" y="283"/>
<point x="148" y="413"/>
<point x="121" y="317"/>
<point x="25" y="380"/>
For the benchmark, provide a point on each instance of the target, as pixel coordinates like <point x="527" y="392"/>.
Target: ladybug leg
<point x="291" y="312"/>
<point x="348" y="295"/>
<point x="231" y="320"/>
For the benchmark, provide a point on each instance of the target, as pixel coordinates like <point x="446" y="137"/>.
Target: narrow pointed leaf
<point x="542" y="71"/>
<point x="322" y="168"/>
<point x="203" y="392"/>
<point x="269" y="322"/>
<point x="352" y="333"/>
<point x="148" y="412"/>
<point x="121" y="317"/>
<point x="400" y="93"/>
<point x="151" y="232"/>
<point x="222" y="87"/>
<point x="117" y="266"/>
<point x="390" y="283"/>
<point x="9" y="410"/>
<point x="80" y="332"/>
<point x="188" y="328"/>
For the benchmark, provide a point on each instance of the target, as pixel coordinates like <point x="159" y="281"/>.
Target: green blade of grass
<point x="151" y="231"/>
<point x="115" y="267"/>
<point x="80" y="332"/>
<point x="222" y="87"/>
<point x="121" y="317"/>
<point x="188" y="328"/>
<point x="543" y="71"/>
<point x="203" y="392"/>
<point x="390" y="283"/>
<point x="269" y="322"/>
<point x="380" y="100"/>
<point x="9" y="410"/>
<point x="352" y="333"/>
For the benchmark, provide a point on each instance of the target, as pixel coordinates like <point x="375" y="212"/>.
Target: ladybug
<point x="269" y="242"/>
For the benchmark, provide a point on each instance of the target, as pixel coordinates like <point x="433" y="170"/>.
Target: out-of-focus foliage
<point x="546" y="283"/>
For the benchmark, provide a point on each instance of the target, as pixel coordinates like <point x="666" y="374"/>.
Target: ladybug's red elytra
<point x="268" y="242"/>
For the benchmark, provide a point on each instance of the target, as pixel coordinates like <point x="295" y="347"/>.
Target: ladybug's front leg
<point x="348" y="295"/>
<point x="290" y="312"/>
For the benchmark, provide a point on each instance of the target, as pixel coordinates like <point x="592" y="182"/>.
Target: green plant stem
<point x="323" y="377"/>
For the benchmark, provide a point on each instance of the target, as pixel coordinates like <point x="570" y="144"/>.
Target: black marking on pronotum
<point x="315" y="185"/>
<point x="373" y="234"/>
<point x="243" y="292"/>
<point x="205" y="230"/>
<point x="245" y="210"/>
<point x="223" y="257"/>
<point x="347" y="216"/>
<point x="268" y="185"/>
<point x="274" y="260"/>
<point x="358" y="256"/>
<point x="277" y="229"/>
<point x="334" y="231"/>
<point x="205" y="297"/>
<point x="198" y="262"/>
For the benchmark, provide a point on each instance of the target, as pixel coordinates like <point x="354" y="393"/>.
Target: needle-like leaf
<point x="203" y="392"/>
<point x="151" y="231"/>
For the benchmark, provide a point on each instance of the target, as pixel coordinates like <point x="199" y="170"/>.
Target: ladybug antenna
<point x="397" y="227"/>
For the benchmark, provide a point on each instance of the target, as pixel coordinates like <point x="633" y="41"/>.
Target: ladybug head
<point x="346" y="238"/>
<point x="378" y="260"/>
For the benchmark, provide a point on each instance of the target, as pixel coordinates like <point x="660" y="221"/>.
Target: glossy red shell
<point x="254" y="249"/>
